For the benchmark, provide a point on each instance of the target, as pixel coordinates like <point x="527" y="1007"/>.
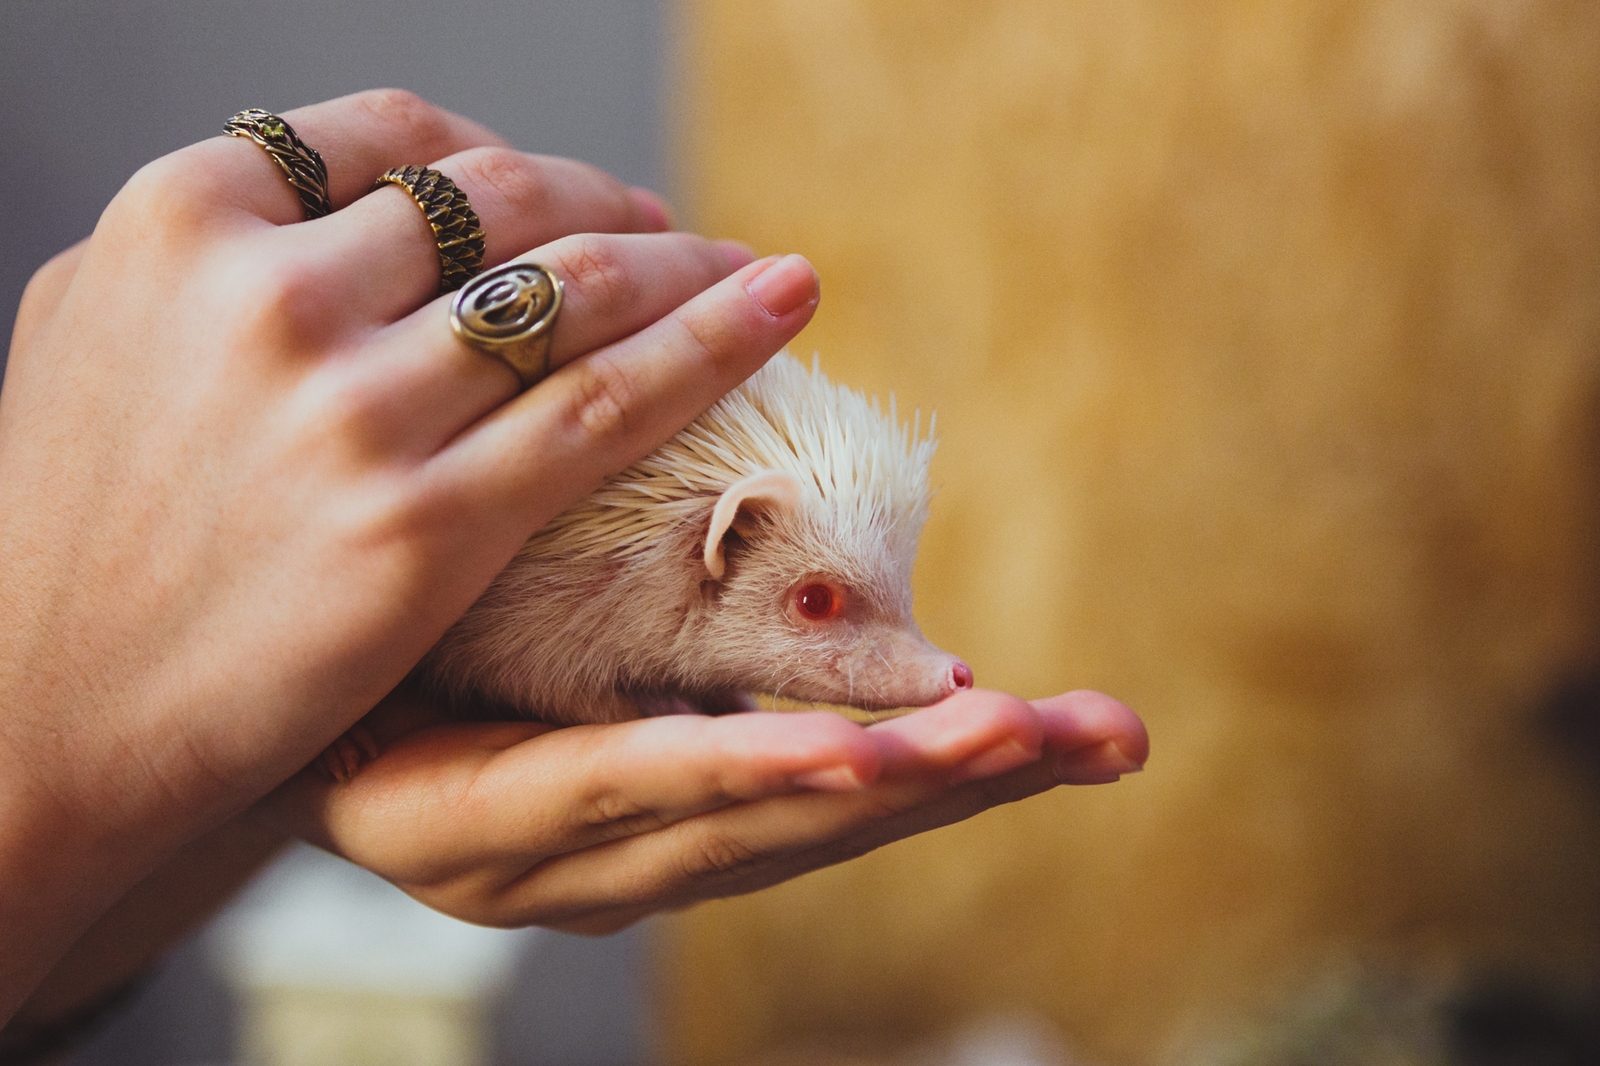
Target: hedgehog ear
<point x="768" y="490"/>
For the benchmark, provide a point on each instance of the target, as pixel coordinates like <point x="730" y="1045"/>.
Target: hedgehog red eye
<point x="818" y="602"/>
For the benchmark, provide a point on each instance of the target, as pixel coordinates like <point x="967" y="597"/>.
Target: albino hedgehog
<point x="767" y="548"/>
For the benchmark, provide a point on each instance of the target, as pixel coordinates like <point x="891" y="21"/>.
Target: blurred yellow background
<point x="1264" y="341"/>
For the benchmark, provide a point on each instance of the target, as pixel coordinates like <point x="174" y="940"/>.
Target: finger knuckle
<point x="291" y="302"/>
<point x="48" y="277"/>
<point x="509" y="174"/>
<point x="718" y="853"/>
<point x="595" y="266"/>
<point x="154" y="204"/>
<point x="613" y="808"/>
<point x="404" y="113"/>
<point x="704" y="341"/>
<point x="350" y="413"/>
<point x="606" y="402"/>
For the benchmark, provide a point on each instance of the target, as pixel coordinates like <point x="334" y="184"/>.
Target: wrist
<point x="145" y="922"/>
<point x="59" y="871"/>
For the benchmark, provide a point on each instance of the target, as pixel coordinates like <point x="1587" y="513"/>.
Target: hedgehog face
<point x="815" y="608"/>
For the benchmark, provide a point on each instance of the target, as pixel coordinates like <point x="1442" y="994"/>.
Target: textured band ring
<point x="455" y="224"/>
<point x="300" y="162"/>
<point x="509" y="312"/>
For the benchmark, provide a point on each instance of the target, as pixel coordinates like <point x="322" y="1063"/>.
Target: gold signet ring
<point x="509" y="313"/>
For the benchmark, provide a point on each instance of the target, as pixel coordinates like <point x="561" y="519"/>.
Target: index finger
<point x="557" y="441"/>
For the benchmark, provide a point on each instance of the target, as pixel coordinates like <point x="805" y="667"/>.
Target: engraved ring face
<point x="509" y="312"/>
<point x="507" y="301"/>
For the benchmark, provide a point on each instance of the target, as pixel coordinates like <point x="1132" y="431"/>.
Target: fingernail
<point x="997" y="760"/>
<point x="653" y="206"/>
<point x="833" y="779"/>
<point x="785" y="286"/>
<point x="1098" y="765"/>
<point x="736" y="254"/>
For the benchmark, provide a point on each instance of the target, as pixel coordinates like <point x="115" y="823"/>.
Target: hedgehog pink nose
<point x="960" y="676"/>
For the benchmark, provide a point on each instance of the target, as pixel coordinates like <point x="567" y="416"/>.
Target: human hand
<point x="248" y="475"/>
<point x="591" y="828"/>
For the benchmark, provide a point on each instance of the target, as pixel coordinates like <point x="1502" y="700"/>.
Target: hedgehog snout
<point x="902" y="669"/>
<point x="930" y="677"/>
<point x="956" y="676"/>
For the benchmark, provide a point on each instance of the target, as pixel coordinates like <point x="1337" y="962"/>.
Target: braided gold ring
<point x="300" y="162"/>
<point x="509" y="313"/>
<point x="456" y="229"/>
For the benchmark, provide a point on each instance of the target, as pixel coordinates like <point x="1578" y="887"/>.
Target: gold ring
<point x="455" y="224"/>
<point x="300" y="162"/>
<point x="509" y="312"/>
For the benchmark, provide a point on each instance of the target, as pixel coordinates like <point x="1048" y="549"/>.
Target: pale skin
<point x="248" y="476"/>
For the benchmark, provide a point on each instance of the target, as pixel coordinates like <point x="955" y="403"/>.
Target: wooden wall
<point x="1265" y="342"/>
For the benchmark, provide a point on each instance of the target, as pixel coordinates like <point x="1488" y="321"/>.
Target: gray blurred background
<point x="92" y="89"/>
